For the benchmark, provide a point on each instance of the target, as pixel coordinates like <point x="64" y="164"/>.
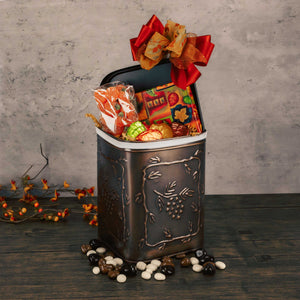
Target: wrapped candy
<point x="179" y="129"/>
<point x="164" y="128"/>
<point x="134" y="130"/>
<point x="116" y="102"/>
<point x="149" y="135"/>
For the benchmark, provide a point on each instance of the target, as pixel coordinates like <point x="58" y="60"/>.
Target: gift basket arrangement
<point x="151" y="146"/>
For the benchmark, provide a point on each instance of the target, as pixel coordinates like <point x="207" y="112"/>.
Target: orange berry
<point x="20" y="213"/>
<point x="4" y="205"/>
<point x="40" y="210"/>
<point x="56" y="218"/>
<point x="24" y="210"/>
<point x="36" y="204"/>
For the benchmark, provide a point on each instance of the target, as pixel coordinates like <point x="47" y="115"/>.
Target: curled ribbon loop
<point x="156" y="41"/>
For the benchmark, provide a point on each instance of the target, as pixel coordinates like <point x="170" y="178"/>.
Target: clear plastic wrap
<point x="117" y="105"/>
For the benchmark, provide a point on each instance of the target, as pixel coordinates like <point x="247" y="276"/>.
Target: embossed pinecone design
<point x="175" y="207"/>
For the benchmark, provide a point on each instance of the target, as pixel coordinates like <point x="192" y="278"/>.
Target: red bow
<point x="154" y="42"/>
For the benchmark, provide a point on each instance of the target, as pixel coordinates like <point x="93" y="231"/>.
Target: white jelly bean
<point x="159" y="276"/>
<point x="90" y="252"/>
<point x="150" y="271"/>
<point x="96" y="270"/>
<point x="108" y="258"/>
<point x="140" y="265"/>
<point x="220" y="265"/>
<point x="151" y="267"/>
<point x="194" y="260"/>
<point x="121" y="278"/>
<point x="156" y="262"/>
<point x="146" y="275"/>
<point x="100" y="250"/>
<point x="118" y="261"/>
<point x="111" y="262"/>
<point x="197" y="268"/>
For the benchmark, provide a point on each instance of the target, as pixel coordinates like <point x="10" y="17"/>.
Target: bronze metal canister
<point x="150" y="194"/>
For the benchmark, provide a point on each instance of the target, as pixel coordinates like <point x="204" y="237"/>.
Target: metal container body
<point x="150" y="202"/>
<point x="150" y="195"/>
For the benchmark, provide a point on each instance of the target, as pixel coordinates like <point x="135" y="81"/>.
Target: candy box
<point x="169" y="103"/>
<point x="150" y="194"/>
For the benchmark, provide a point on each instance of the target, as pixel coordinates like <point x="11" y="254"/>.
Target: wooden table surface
<point x="257" y="236"/>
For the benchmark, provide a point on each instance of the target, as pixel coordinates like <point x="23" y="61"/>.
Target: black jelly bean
<point x="94" y="259"/>
<point x="209" y="269"/>
<point x="200" y="253"/>
<point x="205" y="259"/>
<point x="167" y="270"/>
<point x="95" y="243"/>
<point x="128" y="269"/>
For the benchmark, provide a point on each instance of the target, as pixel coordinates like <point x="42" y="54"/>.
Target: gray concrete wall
<point x="54" y="52"/>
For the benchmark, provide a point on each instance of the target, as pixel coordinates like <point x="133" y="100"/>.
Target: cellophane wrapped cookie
<point x="116" y="102"/>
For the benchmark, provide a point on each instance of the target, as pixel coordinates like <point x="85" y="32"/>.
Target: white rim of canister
<point x="158" y="144"/>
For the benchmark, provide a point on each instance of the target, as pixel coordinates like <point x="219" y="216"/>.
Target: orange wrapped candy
<point x="149" y="135"/>
<point x="116" y="104"/>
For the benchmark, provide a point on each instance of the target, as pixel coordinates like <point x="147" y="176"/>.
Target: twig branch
<point x="46" y="164"/>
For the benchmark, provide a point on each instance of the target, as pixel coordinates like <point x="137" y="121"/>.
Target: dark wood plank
<point x="257" y="236"/>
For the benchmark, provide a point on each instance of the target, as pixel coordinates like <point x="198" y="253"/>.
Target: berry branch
<point x="35" y="197"/>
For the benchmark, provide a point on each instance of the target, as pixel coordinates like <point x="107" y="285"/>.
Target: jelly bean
<point x="96" y="270"/>
<point x="156" y="262"/>
<point x="100" y="250"/>
<point x="108" y="257"/>
<point x="167" y="270"/>
<point x="141" y="266"/>
<point x="95" y="243"/>
<point x="209" y="268"/>
<point x="128" y="269"/>
<point x="185" y="262"/>
<point x="85" y="248"/>
<point x="200" y="252"/>
<point x="93" y="259"/>
<point x="151" y="267"/>
<point x="121" y="278"/>
<point x="205" y="259"/>
<point x="113" y="274"/>
<point x="118" y="261"/>
<point x="194" y="260"/>
<point x="91" y="252"/>
<point x="197" y="268"/>
<point x="159" y="276"/>
<point x="146" y="275"/>
<point x="220" y="265"/>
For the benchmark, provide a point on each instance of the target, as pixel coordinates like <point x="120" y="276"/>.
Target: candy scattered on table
<point x="194" y="260"/>
<point x="220" y="265"/>
<point x="197" y="268"/>
<point x="105" y="262"/>
<point x="140" y="265"/>
<point x="90" y="252"/>
<point x="146" y="275"/>
<point x="121" y="278"/>
<point x="159" y="276"/>
<point x="96" y="270"/>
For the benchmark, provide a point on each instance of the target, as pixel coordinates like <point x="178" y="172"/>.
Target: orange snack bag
<point x="116" y="102"/>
